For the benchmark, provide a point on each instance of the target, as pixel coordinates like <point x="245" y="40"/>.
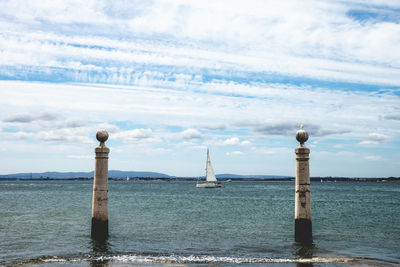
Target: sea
<point x="160" y="223"/>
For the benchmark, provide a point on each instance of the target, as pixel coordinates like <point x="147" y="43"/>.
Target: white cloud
<point x="22" y="135"/>
<point x="64" y="135"/>
<point x="185" y="144"/>
<point x="232" y="141"/>
<point x="61" y="135"/>
<point x="368" y="142"/>
<point x="333" y="111"/>
<point x="212" y="37"/>
<point x="190" y="134"/>
<point x="392" y="117"/>
<point x="375" y="139"/>
<point x="19" y="118"/>
<point x="246" y="143"/>
<point x="74" y="123"/>
<point x="133" y="135"/>
<point x="378" y="137"/>
<point x="235" y="141"/>
<point x="216" y="127"/>
<point x="28" y="118"/>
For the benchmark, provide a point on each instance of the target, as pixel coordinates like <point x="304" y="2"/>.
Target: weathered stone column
<point x="302" y="215"/>
<point x="100" y="189"/>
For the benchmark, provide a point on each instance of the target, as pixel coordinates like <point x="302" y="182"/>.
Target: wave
<point x="179" y="259"/>
<point x="215" y="259"/>
<point x="192" y="259"/>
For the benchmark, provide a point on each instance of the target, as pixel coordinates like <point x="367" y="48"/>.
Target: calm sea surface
<point x="157" y="223"/>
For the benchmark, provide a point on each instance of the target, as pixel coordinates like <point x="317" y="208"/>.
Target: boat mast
<point x="207" y="163"/>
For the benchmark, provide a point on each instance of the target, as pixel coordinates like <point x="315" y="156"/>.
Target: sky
<point x="170" y="78"/>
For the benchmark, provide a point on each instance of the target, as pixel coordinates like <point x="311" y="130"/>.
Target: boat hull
<point x="208" y="185"/>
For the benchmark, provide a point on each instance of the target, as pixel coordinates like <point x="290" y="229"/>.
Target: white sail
<point x="210" y="176"/>
<point x="211" y="180"/>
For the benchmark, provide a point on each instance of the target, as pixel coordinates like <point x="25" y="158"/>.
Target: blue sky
<point x="167" y="79"/>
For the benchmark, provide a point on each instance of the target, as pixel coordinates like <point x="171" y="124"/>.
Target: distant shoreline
<point x="169" y="179"/>
<point x="151" y="176"/>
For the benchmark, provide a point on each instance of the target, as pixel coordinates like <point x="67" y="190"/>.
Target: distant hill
<point x="66" y="175"/>
<point x="236" y="176"/>
<point x="132" y="174"/>
<point x="151" y="175"/>
<point x="123" y="174"/>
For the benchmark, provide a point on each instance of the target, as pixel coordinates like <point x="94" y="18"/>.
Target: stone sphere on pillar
<point x="102" y="136"/>
<point x="301" y="136"/>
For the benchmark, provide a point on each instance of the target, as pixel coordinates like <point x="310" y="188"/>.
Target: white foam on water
<point x="203" y="259"/>
<point x="55" y="260"/>
<point x="215" y="259"/>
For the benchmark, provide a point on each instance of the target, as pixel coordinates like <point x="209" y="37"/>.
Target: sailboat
<point x="211" y="180"/>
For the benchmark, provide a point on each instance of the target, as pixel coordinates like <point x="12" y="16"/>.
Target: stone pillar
<point x="100" y="189"/>
<point x="302" y="215"/>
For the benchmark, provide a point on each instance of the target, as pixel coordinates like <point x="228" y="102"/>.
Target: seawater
<point x="159" y="223"/>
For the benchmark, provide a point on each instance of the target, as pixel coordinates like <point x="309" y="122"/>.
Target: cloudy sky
<point x="169" y="78"/>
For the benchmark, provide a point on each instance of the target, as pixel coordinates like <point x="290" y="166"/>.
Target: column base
<point x="99" y="229"/>
<point x="303" y="231"/>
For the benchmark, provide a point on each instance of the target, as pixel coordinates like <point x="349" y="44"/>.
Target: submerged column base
<point x="303" y="231"/>
<point x="99" y="229"/>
